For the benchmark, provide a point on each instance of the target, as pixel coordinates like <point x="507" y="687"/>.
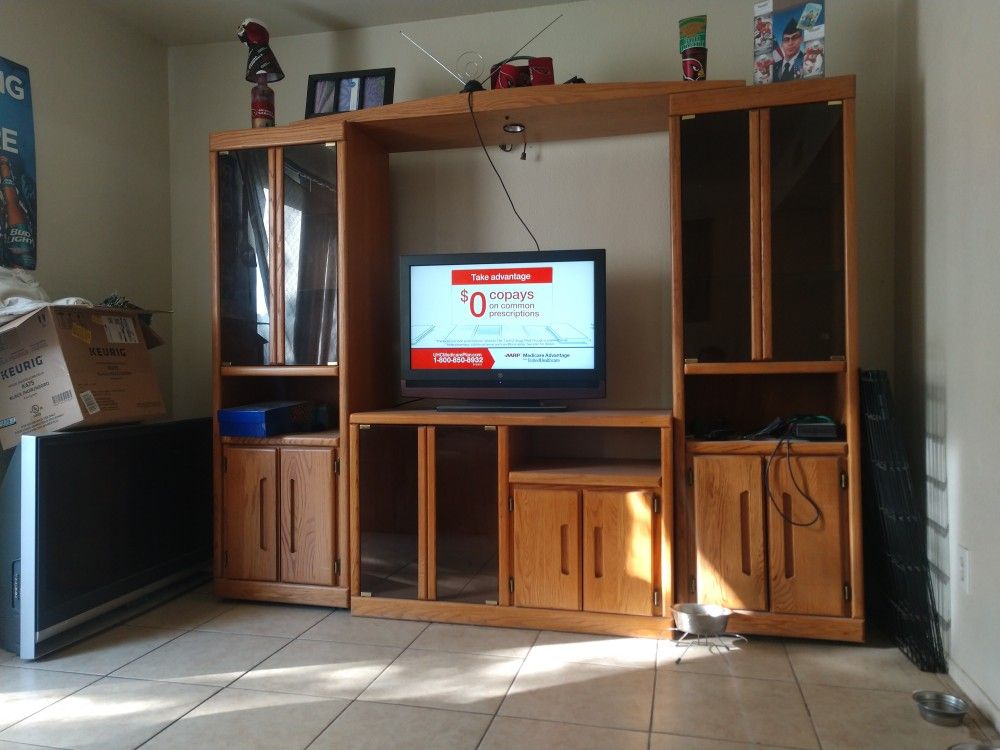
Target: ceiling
<point x="177" y="22"/>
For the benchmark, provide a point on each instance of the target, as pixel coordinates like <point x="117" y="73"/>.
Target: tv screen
<point x="513" y="325"/>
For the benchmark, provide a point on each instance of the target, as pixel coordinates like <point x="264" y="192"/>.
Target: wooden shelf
<point x="280" y="371"/>
<point x="766" y="447"/>
<point x="599" y="472"/>
<point x="561" y="112"/>
<point x="325" y="439"/>
<point x="765" y="368"/>
<point x="591" y="418"/>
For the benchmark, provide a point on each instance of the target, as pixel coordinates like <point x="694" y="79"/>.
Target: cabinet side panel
<point x="729" y="531"/>
<point x="307" y="515"/>
<point x="618" y="570"/>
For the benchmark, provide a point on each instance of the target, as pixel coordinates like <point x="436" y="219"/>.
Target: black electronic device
<point x="96" y="525"/>
<point x="510" y="325"/>
<point x="801" y="427"/>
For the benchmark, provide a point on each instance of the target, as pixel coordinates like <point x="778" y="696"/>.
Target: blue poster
<point x="18" y="202"/>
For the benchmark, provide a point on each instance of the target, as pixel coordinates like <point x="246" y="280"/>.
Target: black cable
<point x="784" y="438"/>
<point x="485" y="151"/>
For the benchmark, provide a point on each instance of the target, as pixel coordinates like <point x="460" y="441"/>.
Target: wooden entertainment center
<point x="591" y="520"/>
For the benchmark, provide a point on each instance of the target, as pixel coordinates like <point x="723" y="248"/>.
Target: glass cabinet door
<point x="309" y="192"/>
<point x="715" y="216"/>
<point x="244" y="197"/>
<point x="807" y="233"/>
<point x="465" y="515"/>
<point x="389" y="523"/>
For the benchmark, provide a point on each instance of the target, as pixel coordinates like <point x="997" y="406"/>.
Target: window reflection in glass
<point x="310" y="254"/>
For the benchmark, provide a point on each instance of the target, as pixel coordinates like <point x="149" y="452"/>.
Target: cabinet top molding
<point x="550" y="113"/>
<point x="561" y="112"/>
<point x="595" y="418"/>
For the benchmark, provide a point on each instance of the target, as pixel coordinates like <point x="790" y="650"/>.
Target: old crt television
<point x="97" y="525"/>
<point x="506" y="325"/>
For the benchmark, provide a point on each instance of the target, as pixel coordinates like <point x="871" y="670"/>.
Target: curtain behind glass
<point x="310" y="249"/>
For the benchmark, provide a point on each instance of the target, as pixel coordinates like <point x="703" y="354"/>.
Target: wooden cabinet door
<point x="249" y="513"/>
<point x="729" y="531"/>
<point x="308" y="500"/>
<point x="808" y="563"/>
<point x="618" y="563"/>
<point x="547" y="548"/>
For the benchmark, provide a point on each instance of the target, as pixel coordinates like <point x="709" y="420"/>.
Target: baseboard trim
<point x="989" y="710"/>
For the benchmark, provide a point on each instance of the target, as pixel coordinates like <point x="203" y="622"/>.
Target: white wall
<point x="948" y="152"/>
<point x="101" y="136"/>
<point x="624" y="203"/>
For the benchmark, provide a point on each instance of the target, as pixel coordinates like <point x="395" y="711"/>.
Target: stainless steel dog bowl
<point x="701" y="619"/>
<point x="941" y="708"/>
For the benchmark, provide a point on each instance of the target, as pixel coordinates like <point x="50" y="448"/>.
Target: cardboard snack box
<point x="67" y="366"/>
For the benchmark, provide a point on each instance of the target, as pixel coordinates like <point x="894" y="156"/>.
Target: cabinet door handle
<point x="745" y="532"/>
<point x="564" y="548"/>
<point x="260" y="493"/>
<point x="786" y="501"/>
<point x="598" y="552"/>
<point x="291" y="513"/>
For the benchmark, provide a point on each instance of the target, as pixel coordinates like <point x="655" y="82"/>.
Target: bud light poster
<point x="18" y="204"/>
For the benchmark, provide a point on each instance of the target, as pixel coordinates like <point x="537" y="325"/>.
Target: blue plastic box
<point x="265" y="419"/>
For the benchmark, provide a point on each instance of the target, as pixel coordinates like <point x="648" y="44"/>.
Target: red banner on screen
<point x="502" y="276"/>
<point x="451" y="359"/>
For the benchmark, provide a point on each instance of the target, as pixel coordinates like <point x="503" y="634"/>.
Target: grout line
<point x="805" y="703"/>
<point x="506" y="693"/>
<point x="355" y="699"/>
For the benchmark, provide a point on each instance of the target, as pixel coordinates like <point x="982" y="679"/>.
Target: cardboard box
<point x="66" y="366"/>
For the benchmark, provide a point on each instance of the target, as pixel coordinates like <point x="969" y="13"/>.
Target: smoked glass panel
<point x="309" y="176"/>
<point x="807" y="231"/>
<point x="388" y="510"/>
<point x="466" y="514"/>
<point x="715" y="221"/>
<point x="244" y="257"/>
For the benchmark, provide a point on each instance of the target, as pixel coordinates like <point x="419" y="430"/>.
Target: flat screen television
<point x="97" y="525"/>
<point x="509" y="326"/>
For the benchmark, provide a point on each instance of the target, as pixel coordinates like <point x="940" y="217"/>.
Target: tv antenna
<point x="473" y="83"/>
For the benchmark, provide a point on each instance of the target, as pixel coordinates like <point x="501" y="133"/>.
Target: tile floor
<point x="203" y="673"/>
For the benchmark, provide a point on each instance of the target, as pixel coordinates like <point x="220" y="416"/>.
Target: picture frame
<point x="347" y="91"/>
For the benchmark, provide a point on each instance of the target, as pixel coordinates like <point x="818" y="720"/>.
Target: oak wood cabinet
<point x="766" y="547"/>
<point x="589" y="549"/>
<point x="277" y="518"/>
<point x="764" y="324"/>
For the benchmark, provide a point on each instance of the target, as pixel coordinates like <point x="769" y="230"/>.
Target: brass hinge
<point x="510" y="584"/>
<point x="366" y="594"/>
<point x="336" y="567"/>
<point x="492" y="602"/>
<point x="847" y="592"/>
<point x="691" y="360"/>
<point x="838" y="358"/>
<point x="225" y="465"/>
<point x="843" y="480"/>
<point x="692" y="586"/>
<point x="225" y="560"/>
<point x="490" y="427"/>
<point x="364" y="426"/>
<point x="336" y="466"/>
<point x="835" y="103"/>
<point x="656" y="598"/>
<point x="690" y="477"/>
<point x="510" y="503"/>
<point x="656" y="503"/>
<point x="688" y="117"/>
